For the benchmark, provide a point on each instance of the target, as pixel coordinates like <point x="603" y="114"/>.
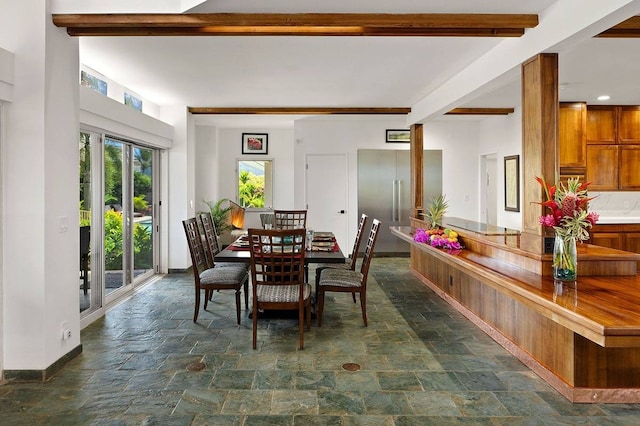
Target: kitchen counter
<point x="582" y="337"/>
<point x="618" y="217"/>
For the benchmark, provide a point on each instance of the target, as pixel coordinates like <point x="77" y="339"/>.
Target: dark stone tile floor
<point x="421" y="362"/>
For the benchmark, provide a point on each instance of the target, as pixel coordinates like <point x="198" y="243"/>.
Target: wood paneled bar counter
<point x="582" y="337"/>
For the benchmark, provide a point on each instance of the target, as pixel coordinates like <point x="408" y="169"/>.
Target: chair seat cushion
<point x="227" y="275"/>
<point x="345" y="265"/>
<point x="232" y="265"/>
<point x="281" y="293"/>
<point x="341" y="278"/>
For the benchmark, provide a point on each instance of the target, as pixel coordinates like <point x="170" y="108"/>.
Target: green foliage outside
<point x="142" y="243"/>
<point x="112" y="173"/>
<point x="142" y="247"/>
<point x="251" y="189"/>
<point x="140" y="204"/>
<point x="112" y="240"/>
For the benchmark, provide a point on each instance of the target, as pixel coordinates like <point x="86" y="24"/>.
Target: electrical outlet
<point x="65" y="330"/>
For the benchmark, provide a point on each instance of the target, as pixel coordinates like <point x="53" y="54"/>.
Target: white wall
<point x="116" y="92"/>
<point x="348" y="134"/>
<point x="40" y="178"/>
<point x="180" y="200"/>
<point x="225" y="148"/>
<point x="502" y="135"/>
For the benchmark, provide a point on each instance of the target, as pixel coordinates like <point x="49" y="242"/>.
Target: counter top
<point x="617" y="217"/>
<point x="604" y="309"/>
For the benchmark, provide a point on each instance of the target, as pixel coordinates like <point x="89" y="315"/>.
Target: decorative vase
<point x="565" y="258"/>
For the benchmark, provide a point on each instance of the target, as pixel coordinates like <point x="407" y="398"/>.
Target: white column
<point x="40" y="190"/>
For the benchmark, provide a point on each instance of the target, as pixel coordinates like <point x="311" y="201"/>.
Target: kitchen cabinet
<point x="629" y="178"/>
<point x="572" y="135"/>
<point x="602" y="167"/>
<point x="617" y="236"/>
<point x="629" y="124"/>
<point x="613" y="147"/>
<point x="601" y="124"/>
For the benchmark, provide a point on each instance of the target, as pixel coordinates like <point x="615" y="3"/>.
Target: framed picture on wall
<point x="512" y="183"/>
<point x="398" y="135"/>
<point x="255" y="143"/>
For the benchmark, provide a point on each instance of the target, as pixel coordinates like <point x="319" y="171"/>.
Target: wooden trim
<point x="626" y="29"/>
<point x="297" y="24"/>
<point x="416" y="167"/>
<point x="298" y="110"/>
<point x="481" y="111"/>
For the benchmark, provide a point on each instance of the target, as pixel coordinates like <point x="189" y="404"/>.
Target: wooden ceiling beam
<point x="298" y="110"/>
<point x="626" y="29"/>
<point x="297" y="24"/>
<point x="480" y="111"/>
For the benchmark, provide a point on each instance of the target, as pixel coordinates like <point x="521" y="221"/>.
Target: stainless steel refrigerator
<point x="384" y="191"/>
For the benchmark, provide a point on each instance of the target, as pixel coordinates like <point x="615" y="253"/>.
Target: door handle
<point x="394" y="199"/>
<point x="341" y="211"/>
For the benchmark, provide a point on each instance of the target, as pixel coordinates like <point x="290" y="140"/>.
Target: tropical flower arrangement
<point x="569" y="212"/>
<point x="440" y="238"/>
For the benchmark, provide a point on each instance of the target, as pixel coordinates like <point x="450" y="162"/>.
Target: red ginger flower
<point x="568" y="205"/>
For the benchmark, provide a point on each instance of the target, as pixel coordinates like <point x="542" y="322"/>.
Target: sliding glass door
<point x="123" y="227"/>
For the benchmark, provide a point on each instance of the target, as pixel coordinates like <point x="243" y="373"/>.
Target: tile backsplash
<point x="627" y="202"/>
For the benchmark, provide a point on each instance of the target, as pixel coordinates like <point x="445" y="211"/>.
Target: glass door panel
<point x="143" y="220"/>
<point x="114" y="223"/>
<point x="90" y="283"/>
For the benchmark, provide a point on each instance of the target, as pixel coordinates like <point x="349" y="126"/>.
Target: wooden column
<point x="539" y="136"/>
<point x="417" y="171"/>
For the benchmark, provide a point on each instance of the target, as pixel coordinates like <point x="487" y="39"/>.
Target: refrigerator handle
<point x="394" y="198"/>
<point x="399" y="202"/>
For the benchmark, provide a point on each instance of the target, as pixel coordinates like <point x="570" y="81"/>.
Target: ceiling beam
<point x="481" y="111"/>
<point x="298" y="110"/>
<point x="626" y="29"/>
<point x="297" y="24"/>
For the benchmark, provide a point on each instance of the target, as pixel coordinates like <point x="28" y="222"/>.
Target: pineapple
<point x="436" y="210"/>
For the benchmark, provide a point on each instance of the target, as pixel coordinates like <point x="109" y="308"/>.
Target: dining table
<point x="239" y="252"/>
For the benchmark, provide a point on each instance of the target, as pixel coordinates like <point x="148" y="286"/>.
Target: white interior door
<point x="326" y="195"/>
<point x="489" y="189"/>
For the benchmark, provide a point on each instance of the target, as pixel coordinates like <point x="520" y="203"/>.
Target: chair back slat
<point x="368" y="251"/>
<point x="358" y="241"/>
<point x="196" y="247"/>
<point x="277" y="256"/>
<point x="290" y="219"/>
<point x="210" y="236"/>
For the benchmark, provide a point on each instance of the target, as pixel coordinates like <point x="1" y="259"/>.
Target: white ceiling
<point x="345" y="71"/>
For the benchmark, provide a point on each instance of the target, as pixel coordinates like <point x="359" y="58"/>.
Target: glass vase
<point x="565" y="258"/>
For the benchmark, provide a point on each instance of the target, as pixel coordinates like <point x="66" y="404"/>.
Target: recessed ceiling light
<point x="604" y="98"/>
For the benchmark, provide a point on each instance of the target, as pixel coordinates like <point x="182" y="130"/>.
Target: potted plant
<point x="220" y="214"/>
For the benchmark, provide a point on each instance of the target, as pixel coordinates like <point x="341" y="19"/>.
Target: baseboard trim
<point x="179" y="271"/>
<point x="42" y="375"/>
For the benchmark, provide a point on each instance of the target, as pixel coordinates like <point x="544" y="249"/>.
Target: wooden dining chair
<point x="289" y="219"/>
<point x="347" y="280"/>
<point x="277" y="274"/>
<point x="350" y="262"/>
<point x="211" y="279"/>
<point x="212" y="248"/>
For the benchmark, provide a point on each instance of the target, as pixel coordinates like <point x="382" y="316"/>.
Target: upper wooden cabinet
<point x="629" y="167"/>
<point x="602" y="167"/>
<point x="601" y="124"/>
<point x="600" y="143"/>
<point x="629" y="124"/>
<point x="572" y="134"/>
